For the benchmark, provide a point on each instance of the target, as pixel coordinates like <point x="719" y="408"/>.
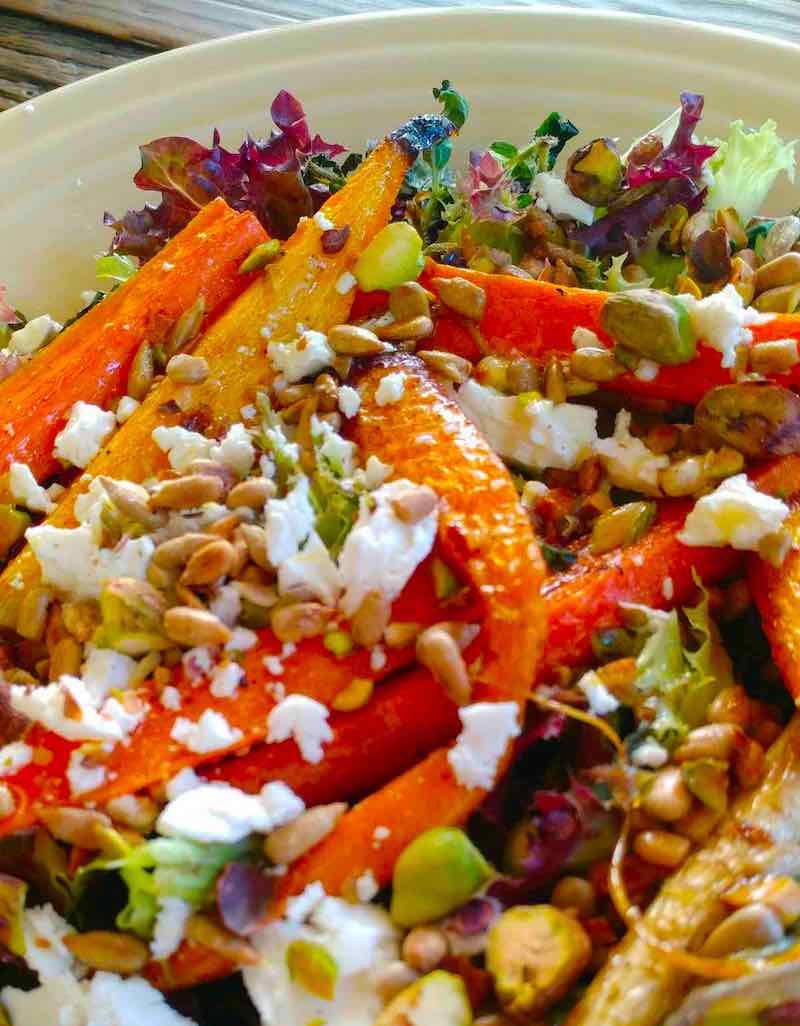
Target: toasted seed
<point x="355" y="696"/>
<point x="292" y="394"/>
<point x="661" y="848"/>
<point x="409" y="300"/>
<point x="446" y="365"/>
<point x="574" y="892"/>
<point x="84" y="827"/>
<point x="595" y="364"/>
<point x="371" y="619"/>
<point x="108" y="951"/>
<point x="684" y="477"/>
<point x="513" y="271"/>
<point x="289" y="842"/>
<point x="714" y="741"/>
<point x="522" y="376"/>
<point x="185" y="328"/>
<point x="142" y="372"/>
<point x="461" y="295"/>
<point x="252" y="493"/>
<point x="32" y="615"/>
<point x="260" y="595"/>
<point x="404" y="331"/>
<point x="187" y="492"/>
<point x="351" y="340"/>
<point x="754" y="926"/>
<point x="749" y="764"/>
<point x="667" y="798"/>
<point x="213" y="468"/>
<point x="554" y="386"/>
<point x="777" y="356"/>
<point x="240" y="555"/>
<point x="731" y="705"/>
<point x="135" y="811"/>
<point x="698" y="824"/>
<point x="783" y="270"/>
<point x="492" y="371"/>
<point x="781" y="300"/>
<point x="439" y="651"/>
<point x="131" y="500"/>
<point x="392" y="978"/>
<point x="187" y="370"/>
<point x="226" y="526"/>
<point x="400" y="634"/>
<point x="175" y="552"/>
<point x="186" y="597"/>
<point x="301" y="620"/>
<point x="327" y="393"/>
<point x="743" y="279"/>
<point x="424" y="948"/>
<point x="256" y="540"/>
<point x="204" y="930"/>
<point x="414" y="504"/>
<point x="192" y="627"/>
<point x="80" y="618"/>
<point x="209" y="564"/>
<point x="66" y="656"/>
<point x="261" y="256"/>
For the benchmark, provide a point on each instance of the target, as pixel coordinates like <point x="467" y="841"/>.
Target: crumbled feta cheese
<point x="182" y="446"/>
<point x="647" y="370"/>
<point x="377" y="658"/>
<point x="628" y="461"/>
<point x="376" y="472"/>
<point x="225" y="680"/>
<point x="114" y="1001"/>
<point x="35" y="334"/>
<point x="379" y="835"/>
<point x="71" y="561"/>
<point x="226" y="604"/>
<point x="361" y="940"/>
<point x="532" y="492"/>
<point x="382" y="551"/>
<point x="220" y="814"/>
<point x="236" y="450"/>
<point x="311" y="574"/>
<point x="183" y="781"/>
<point x="47" y="705"/>
<point x="14" y="756"/>
<point x="197" y="663"/>
<point x="105" y="670"/>
<point x="170" y="927"/>
<point x="89" y="508"/>
<point x="538" y="434"/>
<point x="57" y="1001"/>
<point x="45" y="951"/>
<point x="650" y="755"/>
<point x="82" y="437"/>
<point x="303" y="719"/>
<point x="391" y="388"/>
<point x="299" y="908"/>
<point x="299" y="359"/>
<point x="349" y="401"/>
<point x="323" y="222"/>
<point x="487" y="728"/>
<point x="171" y="698"/>
<point x="211" y="733"/>
<point x="736" y="514"/>
<point x="668" y="588"/>
<point x="242" y="640"/>
<point x="27" y="491"/>
<point x="366" y="886"/>
<point x="722" y="321"/>
<point x="273" y="664"/>
<point x="288" y="522"/>
<point x="346" y="283"/>
<point x="601" y="701"/>
<point x="582" y="337"/>
<point x="338" y="453"/>
<point x="126" y="408"/>
<point x="84" y="776"/>
<point x="556" y="196"/>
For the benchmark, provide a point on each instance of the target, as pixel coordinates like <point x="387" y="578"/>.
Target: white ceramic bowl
<point x="71" y="155"/>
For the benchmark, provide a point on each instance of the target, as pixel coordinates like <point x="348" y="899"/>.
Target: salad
<point x="399" y="589"/>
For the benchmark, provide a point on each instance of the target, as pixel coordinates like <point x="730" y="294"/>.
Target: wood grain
<point x="47" y="43"/>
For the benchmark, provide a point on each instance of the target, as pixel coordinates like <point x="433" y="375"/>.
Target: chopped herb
<point x="555" y="557"/>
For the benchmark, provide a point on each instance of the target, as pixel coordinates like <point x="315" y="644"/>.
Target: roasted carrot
<point x="234" y="345"/>
<point x="90" y="360"/>
<point x="534" y="318"/>
<point x="491" y="540"/>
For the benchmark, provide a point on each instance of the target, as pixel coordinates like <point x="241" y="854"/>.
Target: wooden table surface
<point x="47" y="43"/>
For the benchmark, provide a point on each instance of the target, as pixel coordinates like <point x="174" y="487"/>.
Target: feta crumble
<point x="14" y="756"/>
<point x="556" y="196"/>
<point x="376" y="472"/>
<point x="170" y="926"/>
<point x="84" y="434"/>
<point x="311" y="574"/>
<point x="82" y="775"/>
<point x="650" y="755"/>
<point x="183" y="781"/>
<point x="582" y="337"/>
<point x="391" y="388"/>
<point x="722" y="321"/>
<point x="236" y="450"/>
<point x="346" y="283"/>
<point x="211" y="733"/>
<point x="45" y="951"/>
<point x="126" y="408"/>
<point x="26" y="490"/>
<point x="304" y="720"/>
<point x="36" y="333"/>
<point x="225" y="680"/>
<point x="349" y="401"/>
<point x="323" y="222"/>
<point x="628" y="461"/>
<point x="47" y="705"/>
<point x="601" y="701"/>
<point x="366" y="886"/>
<point x="182" y="446"/>
<point x="487" y="728"/>
<point x="218" y="813"/>
<point x="105" y="670"/>
<point x="288" y="522"/>
<point x="302" y="357"/>
<point x="736" y="513"/>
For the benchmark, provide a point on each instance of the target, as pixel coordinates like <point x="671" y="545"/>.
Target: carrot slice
<point x="491" y="539"/>
<point x="535" y="318"/>
<point x="234" y="345"/>
<point x="90" y="360"/>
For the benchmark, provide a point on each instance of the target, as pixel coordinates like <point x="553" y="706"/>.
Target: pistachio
<point x="312" y="967"/>
<point x="261" y="256"/>
<point x="595" y="364"/>
<point x="289" y="842"/>
<point x="710" y="256"/>
<point x="187" y="370"/>
<point x="204" y="930"/>
<point x="210" y="563"/>
<point x="594" y="172"/>
<point x="781" y="300"/>
<point x="743" y="279"/>
<point x="783" y="270"/>
<point x="444" y="993"/>
<point x="781" y="237"/>
<point x="355" y="696"/>
<point x="175" y="552"/>
<point x="447" y="365"/>
<point x="755" y="418"/>
<point x="555" y="388"/>
<point x="131" y="500"/>
<point x="142" y="372"/>
<point x="192" y="627"/>
<point x="13" y="525"/>
<point x="461" y="295"/>
<point x="651" y="323"/>
<point x="535" y="953"/>
<point x="409" y="300"/>
<point x="437" y="872"/>
<point x="351" y="340"/>
<point x="522" y="376"/>
<point x="301" y="620"/>
<point x="187" y="492"/>
<point x="622" y="526"/>
<point x="775" y="357"/>
<point x="109" y="951"/>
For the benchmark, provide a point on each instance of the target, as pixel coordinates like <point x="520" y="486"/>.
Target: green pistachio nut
<point x="393" y="256"/>
<point x="12" y="908"/>
<point x="132" y="612"/>
<point x="594" y="172"/>
<point x="621" y="526"/>
<point x="313" y="968"/>
<point x="13" y="525"/>
<point x="707" y="779"/>
<point x="535" y="953"/>
<point x="437" y="872"/>
<point x="755" y="418"/>
<point x="438" y="999"/>
<point x="652" y="324"/>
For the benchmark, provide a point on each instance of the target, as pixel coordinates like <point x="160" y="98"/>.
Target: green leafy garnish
<point x="745" y="167"/>
<point x="454" y="104"/>
<point x="559" y="130"/>
<point x="114" y="268"/>
<point x="336" y="509"/>
<point x="556" y="558"/>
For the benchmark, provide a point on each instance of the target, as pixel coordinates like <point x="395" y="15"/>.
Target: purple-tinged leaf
<point x="8" y="315"/>
<point x="474" y="917"/>
<point x="178" y="166"/>
<point x="783" y="1015"/>
<point x="484" y="185"/>
<point x="613" y="233"/>
<point x="681" y="158"/>
<point x="243" y="893"/>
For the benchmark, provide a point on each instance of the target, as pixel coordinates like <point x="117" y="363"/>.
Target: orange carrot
<point x="491" y="540"/>
<point x="90" y="360"/>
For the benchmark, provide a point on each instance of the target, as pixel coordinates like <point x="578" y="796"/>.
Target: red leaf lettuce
<point x="682" y="158"/>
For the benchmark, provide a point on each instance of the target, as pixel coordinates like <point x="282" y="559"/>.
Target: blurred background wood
<point x="48" y="43"/>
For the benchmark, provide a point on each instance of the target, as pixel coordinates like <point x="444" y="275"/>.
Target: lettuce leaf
<point x="745" y="168"/>
<point x="681" y="157"/>
<point x="114" y="268"/>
